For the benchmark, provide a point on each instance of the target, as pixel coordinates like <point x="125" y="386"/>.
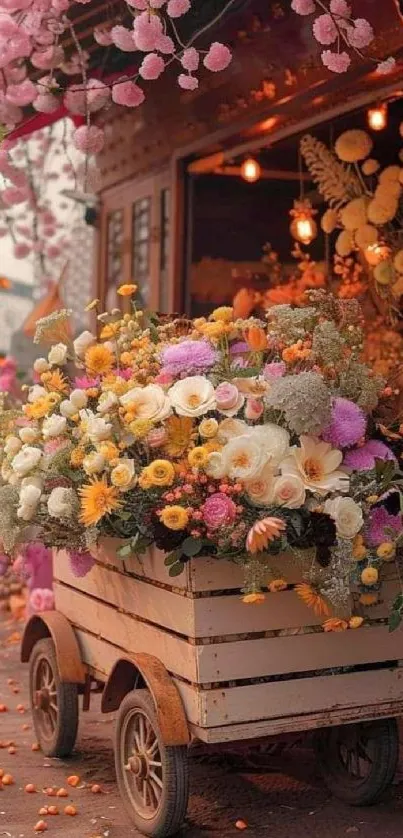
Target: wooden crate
<point x="242" y="671"/>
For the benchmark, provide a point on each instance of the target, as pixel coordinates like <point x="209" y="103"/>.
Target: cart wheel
<point x="153" y="779"/>
<point x="359" y="761"/>
<point x="54" y="704"/>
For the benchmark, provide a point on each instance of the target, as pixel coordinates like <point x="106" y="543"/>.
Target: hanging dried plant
<point x="335" y="182"/>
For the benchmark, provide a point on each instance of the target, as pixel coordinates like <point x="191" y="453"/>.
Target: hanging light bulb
<point x="303" y="227"/>
<point x="378" y="117"/>
<point x="376" y="253"/>
<point x="250" y="170"/>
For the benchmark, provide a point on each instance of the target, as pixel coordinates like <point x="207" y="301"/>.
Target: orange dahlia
<point x="262" y="533"/>
<point x="312" y="599"/>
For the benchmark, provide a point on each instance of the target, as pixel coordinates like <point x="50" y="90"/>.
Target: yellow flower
<point x="114" y="384"/>
<point x="77" y="456"/>
<point x="98" y="359"/>
<point x="372" y="499"/>
<point x="368" y="599"/>
<point x="97" y="499"/>
<point x="359" y="549"/>
<point x="180" y="431"/>
<point x="91" y="305"/>
<point x="355" y="622"/>
<point x="344" y="243"/>
<point x="198" y="457"/>
<point x="335" y="624"/>
<point x="161" y="473"/>
<point x="329" y="221"/>
<point x="277" y="585"/>
<point x="140" y="428"/>
<point x="253" y="599"/>
<point x="145" y="481"/>
<point x="354" y="214"/>
<point x="312" y="599"/>
<point x="127" y="358"/>
<point x="55" y="381"/>
<point x="39" y="408"/>
<point x="224" y="314"/>
<point x="370" y="166"/>
<point x="369" y="576"/>
<point x="382" y="211"/>
<point x="110" y="331"/>
<point x="123" y="475"/>
<point x="108" y="450"/>
<point x="353" y="145"/>
<point x="127" y="290"/>
<point x="208" y="428"/>
<point x="214" y="330"/>
<point x="386" y="551"/>
<point x="366" y="236"/>
<point x="174" y="517"/>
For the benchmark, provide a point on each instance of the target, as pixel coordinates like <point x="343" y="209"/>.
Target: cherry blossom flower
<point x="337" y="62"/>
<point x="47" y="59"/>
<point x="188" y="82"/>
<point x="21" y="250"/>
<point x="123" y="38"/>
<point x="89" y="139"/>
<point x="340" y="7"/>
<point x="303" y="7"/>
<point x="190" y="59"/>
<point x="152" y="66"/>
<point x="21" y="94"/>
<point x="102" y="36"/>
<point x="13" y="195"/>
<point x="46" y="103"/>
<point x="218" y="57"/>
<point x="177" y="8"/>
<point x="386" y="66"/>
<point x="361" y="34"/>
<point x="127" y="93"/>
<point x="325" y="29"/>
<point x="147" y="30"/>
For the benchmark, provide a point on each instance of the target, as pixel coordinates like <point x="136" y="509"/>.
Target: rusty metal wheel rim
<point x="142" y="764"/>
<point x="44" y="698"/>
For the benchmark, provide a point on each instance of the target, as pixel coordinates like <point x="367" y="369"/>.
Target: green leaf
<point x="125" y="551"/>
<point x="247" y="372"/>
<point x="172" y="558"/>
<point x="191" y="546"/>
<point x="176" y="569"/>
<point x="394" y="620"/>
<point x="154" y="333"/>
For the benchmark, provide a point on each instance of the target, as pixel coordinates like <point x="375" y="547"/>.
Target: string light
<point x="378" y="117"/>
<point x="250" y="170"/>
<point x="376" y="253"/>
<point x="303" y="227"/>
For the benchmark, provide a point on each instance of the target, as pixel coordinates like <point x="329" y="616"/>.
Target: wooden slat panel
<point x="150" y="564"/>
<point x="142" y="599"/>
<point x="219" y="575"/>
<point x="299" y="653"/>
<point x="126" y="632"/>
<point x="225" y="615"/>
<point x="296" y="697"/>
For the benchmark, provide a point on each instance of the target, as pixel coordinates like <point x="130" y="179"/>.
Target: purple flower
<point x="239" y="348"/>
<point x="80" y="563"/>
<point x="274" y="370"/>
<point x="347" y="424"/>
<point x="363" y="459"/>
<point x="380" y="524"/>
<point x="191" y="357"/>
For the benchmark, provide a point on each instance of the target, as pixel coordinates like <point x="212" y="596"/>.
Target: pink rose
<point x="218" y="511"/>
<point x="229" y="399"/>
<point x="254" y="409"/>
<point x="164" y="379"/>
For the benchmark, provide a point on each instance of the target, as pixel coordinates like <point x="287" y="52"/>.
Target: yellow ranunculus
<point x="213" y="330"/>
<point x="174" y="517"/>
<point x="224" y="314"/>
<point x="198" y="457"/>
<point x="369" y="576"/>
<point x="123" y="475"/>
<point x="161" y="473"/>
<point x="145" y="481"/>
<point x="386" y="551"/>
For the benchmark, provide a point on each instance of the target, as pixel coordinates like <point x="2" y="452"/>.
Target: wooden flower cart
<point x="183" y="659"/>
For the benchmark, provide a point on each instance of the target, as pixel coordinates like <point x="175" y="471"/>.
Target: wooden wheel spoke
<point x="154" y="777"/>
<point x="153" y="749"/>
<point x="155" y="792"/>
<point x="155" y="763"/>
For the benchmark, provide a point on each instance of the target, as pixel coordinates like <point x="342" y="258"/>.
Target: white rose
<point x="274" y="440"/>
<point x="41" y="365"/>
<point x="12" y="446"/>
<point x="347" y="515"/>
<point x="62" y="502"/>
<point x="78" y="398"/>
<point x="289" y="491"/>
<point x="123" y="475"/>
<point x="150" y="402"/>
<point x="215" y="466"/>
<point x="98" y="429"/>
<point x="36" y="392"/>
<point x="243" y="458"/>
<point x="26" y="460"/>
<point x="58" y="354"/>
<point x="83" y="342"/>
<point x="93" y="463"/>
<point x="193" y="396"/>
<point x="29" y="499"/>
<point x="260" y="488"/>
<point x="28" y="435"/>
<point x="54" y="426"/>
<point x="67" y="408"/>
<point x="106" y="402"/>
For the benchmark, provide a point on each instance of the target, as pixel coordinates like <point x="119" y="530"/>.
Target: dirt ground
<point x="278" y="796"/>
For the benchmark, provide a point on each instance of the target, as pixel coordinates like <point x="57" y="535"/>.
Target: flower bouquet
<point x="237" y="439"/>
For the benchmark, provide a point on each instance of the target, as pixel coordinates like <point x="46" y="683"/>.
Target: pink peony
<point x="81" y="562"/>
<point x="123" y="38"/>
<point x="177" y="8"/>
<point x="325" y="29"/>
<point x="217" y="58"/>
<point x="89" y="139"/>
<point x="361" y="34"/>
<point x="190" y="59"/>
<point x="127" y="93"/>
<point x="340" y="8"/>
<point x="152" y="66"/>
<point x="337" y="62"/>
<point x="187" y="82"/>
<point x="218" y="511"/>
<point x="303" y="7"/>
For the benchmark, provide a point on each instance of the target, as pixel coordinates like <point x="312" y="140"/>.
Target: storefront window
<point x="141" y="237"/>
<point x="114" y="254"/>
<point x="165" y="226"/>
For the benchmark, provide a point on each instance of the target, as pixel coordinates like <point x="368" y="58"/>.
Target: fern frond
<point x="335" y="182"/>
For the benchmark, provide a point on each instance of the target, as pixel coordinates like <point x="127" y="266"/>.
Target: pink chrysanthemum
<point x="347" y="424"/>
<point x="80" y="563"/>
<point x="190" y="59"/>
<point x="363" y="459"/>
<point x="85" y="383"/>
<point x="337" y="62"/>
<point x="380" y="524"/>
<point x="191" y="357"/>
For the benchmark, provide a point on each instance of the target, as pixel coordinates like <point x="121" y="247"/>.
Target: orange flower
<point x="262" y="532"/>
<point x="55" y="381"/>
<point x="277" y="585"/>
<point x="256" y="339"/>
<point x="253" y="599"/>
<point x="335" y="624"/>
<point x="312" y="599"/>
<point x="127" y="290"/>
<point x="368" y="599"/>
